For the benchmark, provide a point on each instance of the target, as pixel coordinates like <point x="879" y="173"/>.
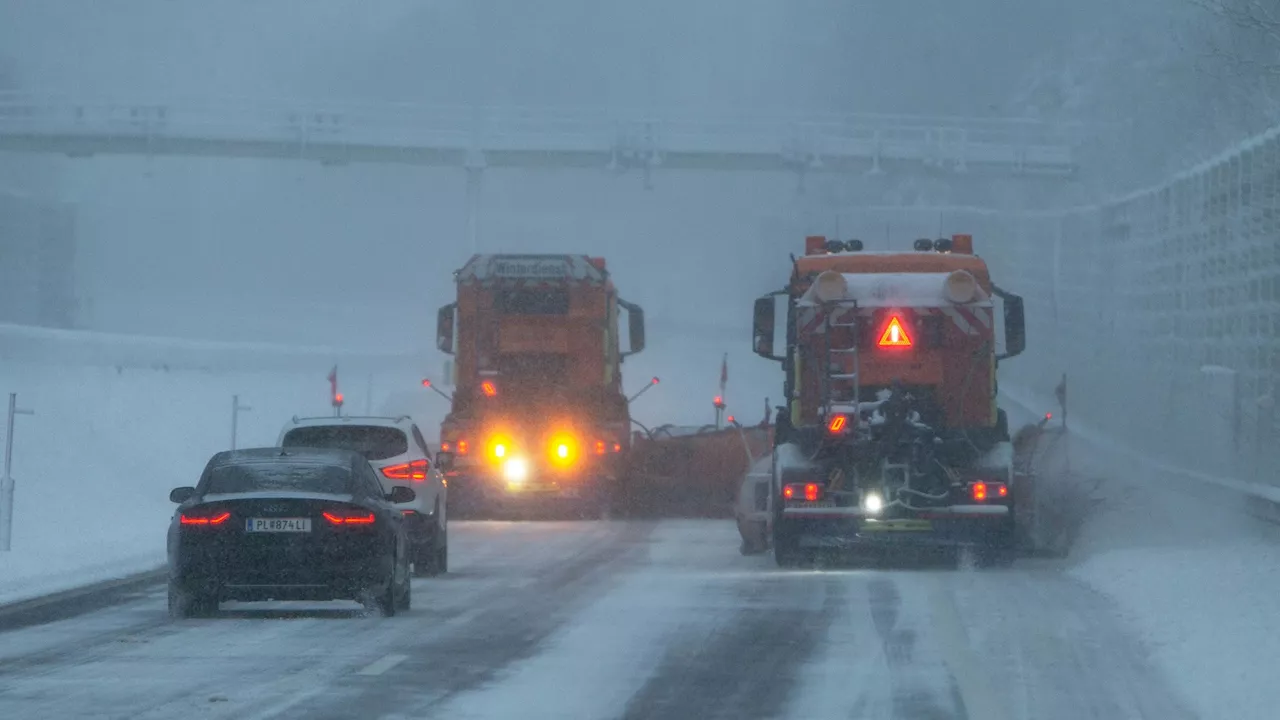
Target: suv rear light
<point x="204" y="519"/>
<point x="416" y="470"/>
<point x="809" y="492"/>
<point x="348" y="517"/>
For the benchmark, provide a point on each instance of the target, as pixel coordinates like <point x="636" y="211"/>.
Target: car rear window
<point x="371" y="441"/>
<point x="292" y="477"/>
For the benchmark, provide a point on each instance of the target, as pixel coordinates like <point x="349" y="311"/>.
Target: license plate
<point x="278" y="525"/>
<point x="896" y="526"/>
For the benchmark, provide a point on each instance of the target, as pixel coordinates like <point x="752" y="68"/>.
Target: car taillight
<point x="347" y="517"/>
<point x="416" y="470"/>
<point x="207" y="519"/>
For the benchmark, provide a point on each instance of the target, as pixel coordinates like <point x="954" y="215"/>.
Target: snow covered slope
<point x="95" y="464"/>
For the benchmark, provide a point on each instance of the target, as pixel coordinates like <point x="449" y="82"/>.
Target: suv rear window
<point x="292" y="477"/>
<point x="372" y="441"/>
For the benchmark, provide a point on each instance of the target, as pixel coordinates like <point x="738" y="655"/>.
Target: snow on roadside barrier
<point x="95" y="464"/>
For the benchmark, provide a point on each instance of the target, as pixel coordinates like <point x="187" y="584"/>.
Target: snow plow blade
<point x="691" y="471"/>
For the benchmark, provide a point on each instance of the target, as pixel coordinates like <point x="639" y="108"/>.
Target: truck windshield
<point x="533" y="301"/>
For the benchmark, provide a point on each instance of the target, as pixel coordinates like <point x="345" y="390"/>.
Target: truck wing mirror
<point x="762" y="326"/>
<point x="1015" y="324"/>
<point x="635" y="327"/>
<point x="444" y="328"/>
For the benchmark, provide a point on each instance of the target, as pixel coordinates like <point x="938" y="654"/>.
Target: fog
<point x="294" y="252"/>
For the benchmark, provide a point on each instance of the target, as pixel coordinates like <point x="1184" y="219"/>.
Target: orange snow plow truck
<point x="891" y="434"/>
<point x="539" y="420"/>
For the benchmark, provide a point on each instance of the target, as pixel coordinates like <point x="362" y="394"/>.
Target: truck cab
<point x="538" y="412"/>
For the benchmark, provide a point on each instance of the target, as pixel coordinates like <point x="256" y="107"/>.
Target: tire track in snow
<point x="503" y="631"/>
<point x="745" y="668"/>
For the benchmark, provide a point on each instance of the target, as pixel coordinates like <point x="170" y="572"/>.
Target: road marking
<point x="377" y="667"/>
<point x="980" y="700"/>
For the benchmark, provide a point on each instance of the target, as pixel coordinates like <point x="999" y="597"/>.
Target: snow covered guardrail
<point x="1028" y="403"/>
<point x="20" y="343"/>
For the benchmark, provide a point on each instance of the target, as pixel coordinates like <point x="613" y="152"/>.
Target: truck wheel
<point x="1001" y="549"/>
<point x="787" y="552"/>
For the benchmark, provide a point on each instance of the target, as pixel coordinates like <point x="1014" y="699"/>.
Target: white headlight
<point x="830" y="286"/>
<point x="515" y="471"/>
<point x="872" y="503"/>
<point x="961" y="287"/>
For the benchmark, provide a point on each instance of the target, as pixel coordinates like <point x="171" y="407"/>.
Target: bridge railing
<point x="459" y="127"/>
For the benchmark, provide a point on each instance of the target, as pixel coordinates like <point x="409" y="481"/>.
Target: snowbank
<point x="1187" y="566"/>
<point x="95" y="464"/>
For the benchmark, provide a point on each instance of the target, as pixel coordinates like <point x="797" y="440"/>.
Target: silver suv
<point x="396" y="450"/>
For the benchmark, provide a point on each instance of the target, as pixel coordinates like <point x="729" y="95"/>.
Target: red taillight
<point x="462" y="447"/>
<point x="811" y="492"/>
<point x="600" y="447"/>
<point x="981" y="490"/>
<point x="217" y="519"/>
<point x="343" y="517"/>
<point x="416" y="470"/>
<point x="617" y="447"/>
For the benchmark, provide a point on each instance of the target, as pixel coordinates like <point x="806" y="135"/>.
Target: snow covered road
<point x="612" y="620"/>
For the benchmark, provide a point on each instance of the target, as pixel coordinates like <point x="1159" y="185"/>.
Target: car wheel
<point x="404" y="599"/>
<point x="184" y="604"/>
<point x="432" y="558"/>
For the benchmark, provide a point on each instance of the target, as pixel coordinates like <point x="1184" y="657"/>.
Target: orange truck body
<point x="952" y="350"/>
<point x="538" y="366"/>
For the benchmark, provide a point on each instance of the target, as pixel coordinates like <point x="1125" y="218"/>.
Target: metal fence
<point x="1162" y="307"/>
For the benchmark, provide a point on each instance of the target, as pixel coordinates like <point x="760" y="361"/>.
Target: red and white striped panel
<point x="971" y="320"/>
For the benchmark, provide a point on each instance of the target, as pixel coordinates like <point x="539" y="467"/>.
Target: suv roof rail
<point x="396" y="418"/>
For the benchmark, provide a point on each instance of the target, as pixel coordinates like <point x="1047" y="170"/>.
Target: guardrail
<point x="496" y="136"/>
<point x="48" y="345"/>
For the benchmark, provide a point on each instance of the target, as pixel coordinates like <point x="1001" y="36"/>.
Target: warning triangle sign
<point x="895" y="334"/>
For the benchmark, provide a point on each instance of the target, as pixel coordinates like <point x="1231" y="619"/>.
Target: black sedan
<point x="288" y="524"/>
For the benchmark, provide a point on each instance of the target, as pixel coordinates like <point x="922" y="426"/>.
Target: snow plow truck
<point x="539" y="422"/>
<point x="891" y="435"/>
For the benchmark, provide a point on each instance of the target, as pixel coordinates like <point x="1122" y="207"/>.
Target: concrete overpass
<point x="476" y="138"/>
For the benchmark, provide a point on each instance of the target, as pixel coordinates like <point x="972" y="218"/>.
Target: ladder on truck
<point x="843" y="333"/>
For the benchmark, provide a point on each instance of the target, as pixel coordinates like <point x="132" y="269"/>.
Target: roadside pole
<point x="6" y="482"/>
<point x="236" y="409"/>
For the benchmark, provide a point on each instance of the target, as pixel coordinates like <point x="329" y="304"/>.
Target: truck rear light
<point x="982" y="490"/>
<point x="837" y="424"/>
<point x="348" y="517"/>
<point x="600" y="447"/>
<point x="204" y="519"/>
<point x="809" y="492"/>
<point x="416" y="470"/>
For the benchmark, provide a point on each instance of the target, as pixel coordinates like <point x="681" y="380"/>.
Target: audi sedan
<point x="288" y="524"/>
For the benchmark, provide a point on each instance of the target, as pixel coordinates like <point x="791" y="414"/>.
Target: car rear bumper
<point x="259" y="580"/>
<point x="851" y="527"/>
